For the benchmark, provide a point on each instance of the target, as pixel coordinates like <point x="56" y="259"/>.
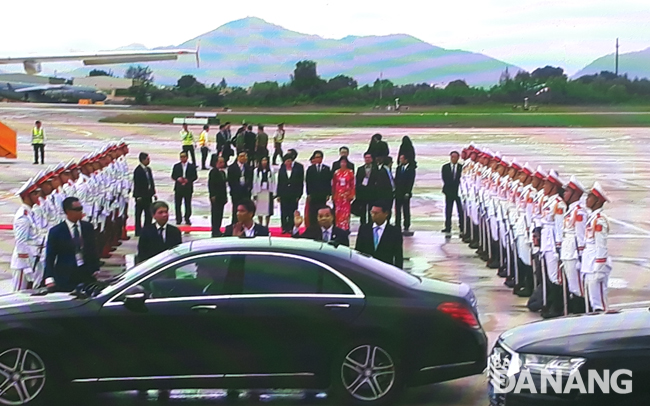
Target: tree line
<point x="547" y="85"/>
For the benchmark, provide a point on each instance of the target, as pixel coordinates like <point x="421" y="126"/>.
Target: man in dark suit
<point x="245" y="227"/>
<point x="343" y="152"/>
<point x="159" y="236"/>
<point x="377" y="147"/>
<point x="319" y="185"/>
<point x="365" y="182"/>
<point x="71" y="254"/>
<point x="404" y="180"/>
<point x="144" y="191"/>
<point x="240" y="180"/>
<point x="217" y="181"/>
<point x="184" y="176"/>
<point x="451" y="173"/>
<point x="250" y="143"/>
<point x="384" y="183"/>
<point x="291" y="182"/>
<point x="324" y="231"/>
<point x="379" y="239"/>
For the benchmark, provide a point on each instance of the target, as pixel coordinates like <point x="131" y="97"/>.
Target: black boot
<point x="555" y="302"/>
<point x="509" y="282"/>
<point x="577" y="305"/>
<point x="494" y="262"/>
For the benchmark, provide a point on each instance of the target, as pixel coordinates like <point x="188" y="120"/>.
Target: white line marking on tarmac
<point x="628" y="225"/>
<point x="644" y="303"/>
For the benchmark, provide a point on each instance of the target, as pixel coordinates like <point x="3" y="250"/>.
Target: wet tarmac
<point x="615" y="157"/>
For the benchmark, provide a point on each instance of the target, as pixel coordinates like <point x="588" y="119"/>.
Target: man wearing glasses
<point x="71" y="252"/>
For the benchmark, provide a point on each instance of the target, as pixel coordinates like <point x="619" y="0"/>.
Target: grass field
<point x="475" y="118"/>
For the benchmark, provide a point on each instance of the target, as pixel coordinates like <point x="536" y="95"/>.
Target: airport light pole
<point x="616" y="57"/>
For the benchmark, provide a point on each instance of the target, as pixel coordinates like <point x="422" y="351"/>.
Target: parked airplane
<point x="33" y="92"/>
<point x="32" y="63"/>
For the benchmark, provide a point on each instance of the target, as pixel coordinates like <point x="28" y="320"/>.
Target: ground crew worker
<point x="278" y="139"/>
<point x="204" y="145"/>
<point x="26" y="250"/>
<point x="573" y="243"/>
<point x="38" y="142"/>
<point x="187" y="138"/>
<point x="597" y="264"/>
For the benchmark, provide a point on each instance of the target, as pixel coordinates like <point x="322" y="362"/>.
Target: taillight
<point x="459" y="312"/>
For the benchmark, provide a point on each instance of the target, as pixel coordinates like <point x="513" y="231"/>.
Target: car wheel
<point x="367" y="373"/>
<point x="26" y="378"/>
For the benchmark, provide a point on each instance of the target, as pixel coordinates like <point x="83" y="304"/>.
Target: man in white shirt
<point x="184" y="175"/>
<point x="278" y="139"/>
<point x="325" y="230"/>
<point x="245" y="226"/>
<point x="159" y="236"/>
<point x="71" y="252"/>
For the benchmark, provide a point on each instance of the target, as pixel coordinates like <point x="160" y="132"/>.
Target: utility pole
<point x="616" y="57"/>
<point x="381" y="85"/>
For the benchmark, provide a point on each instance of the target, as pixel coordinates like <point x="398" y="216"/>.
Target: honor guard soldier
<point x="27" y="251"/>
<point x="573" y="243"/>
<point x="38" y="142"/>
<point x="552" y="219"/>
<point x="597" y="264"/>
<point x="525" y="280"/>
<point x="187" y="139"/>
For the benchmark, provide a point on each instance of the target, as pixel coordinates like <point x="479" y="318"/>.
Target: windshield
<point x="134" y="273"/>
<point x="385" y="270"/>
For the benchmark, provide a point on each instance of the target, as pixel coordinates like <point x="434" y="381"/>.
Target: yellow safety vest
<point x="38" y="136"/>
<point x="203" y="139"/>
<point x="187" y="137"/>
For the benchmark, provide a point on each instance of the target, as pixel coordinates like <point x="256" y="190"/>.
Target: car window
<point x="203" y="276"/>
<point x="385" y="270"/>
<point x="278" y="274"/>
<point x="142" y="268"/>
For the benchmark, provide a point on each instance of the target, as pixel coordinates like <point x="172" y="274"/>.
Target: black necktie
<point x="160" y="231"/>
<point x="77" y="238"/>
<point x="148" y="171"/>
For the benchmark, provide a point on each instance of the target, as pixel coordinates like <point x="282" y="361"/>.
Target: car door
<point x="289" y="312"/>
<point x="177" y="332"/>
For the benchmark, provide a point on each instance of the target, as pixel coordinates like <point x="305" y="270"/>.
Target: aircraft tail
<point x="8" y="147"/>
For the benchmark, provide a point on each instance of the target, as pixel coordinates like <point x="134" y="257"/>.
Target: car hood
<point x="581" y="334"/>
<point x="26" y="301"/>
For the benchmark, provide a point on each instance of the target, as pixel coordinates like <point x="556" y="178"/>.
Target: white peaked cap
<point x="598" y="190"/>
<point x="575" y="184"/>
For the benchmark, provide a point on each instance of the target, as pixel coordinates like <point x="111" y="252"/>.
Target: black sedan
<point x="243" y="313"/>
<point x="594" y="359"/>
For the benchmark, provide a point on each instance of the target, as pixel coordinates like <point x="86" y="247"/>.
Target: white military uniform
<point x="552" y="220"/>
<point x="573" y="245"/>
<point x="27" y="243"/>
<point x="597" y="265"/>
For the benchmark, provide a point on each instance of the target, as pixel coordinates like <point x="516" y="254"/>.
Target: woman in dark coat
<point x="406" y="149"/>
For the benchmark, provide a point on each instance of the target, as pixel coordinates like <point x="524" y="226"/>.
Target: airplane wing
<point x="32" y="62"/>
<point x="39" y="88"/>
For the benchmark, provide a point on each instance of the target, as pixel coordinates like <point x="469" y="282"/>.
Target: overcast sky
<point x="527" y="33"/>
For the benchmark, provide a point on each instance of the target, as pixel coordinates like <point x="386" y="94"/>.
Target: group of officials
<point x="374" y="186"/>
<point x="54" y="248"/>
<point x="546" y="236"/>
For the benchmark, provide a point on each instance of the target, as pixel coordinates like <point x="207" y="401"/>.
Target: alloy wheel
<point x="368" y="373"/>
<point x="22" y="376"/>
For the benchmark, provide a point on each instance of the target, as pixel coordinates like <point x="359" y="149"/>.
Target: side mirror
<point x="134" y="299"/>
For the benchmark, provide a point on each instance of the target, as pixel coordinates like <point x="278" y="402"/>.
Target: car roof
<point x="298" y="245"/>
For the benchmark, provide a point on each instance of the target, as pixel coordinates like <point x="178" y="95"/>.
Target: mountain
<point x="252" y="50"/>
<point x="634" y="64"/>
